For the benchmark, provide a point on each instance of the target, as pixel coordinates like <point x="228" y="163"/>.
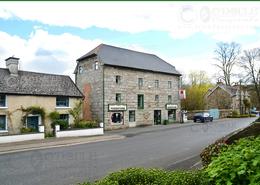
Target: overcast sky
<point x="50" y="36"/>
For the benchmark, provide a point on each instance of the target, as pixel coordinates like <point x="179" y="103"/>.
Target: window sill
<point x="62" y="107"/>
<point x="3" y="131"/>
<point x="3" y="107"/>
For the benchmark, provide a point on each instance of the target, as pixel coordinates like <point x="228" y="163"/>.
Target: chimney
<point x="12" y="64"/>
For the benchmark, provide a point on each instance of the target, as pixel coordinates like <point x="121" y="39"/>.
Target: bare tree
<point x="250" y="62"/>
<point x="227" y="56"/>
<point x="198" y="78"/>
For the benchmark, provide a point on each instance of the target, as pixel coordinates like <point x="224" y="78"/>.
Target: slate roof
<point x="115" y="56"/>
<point x="32" y="83"/>
<point x="231" y="90"/>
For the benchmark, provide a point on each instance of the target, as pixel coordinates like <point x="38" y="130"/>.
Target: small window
<point x="169" y="99"/>
<point x="3" y="125"/>
<point x="118" y="79"/>
<point x="156" y="98"/>
<point x="169" y="84"/>
<point x="118" y="97"/>
<point x="140" y="101"/>
<point x="80" y="69"/>
<point x="131" y="116"/>
<point x="140" y="83"/>
<point x="62" y="101"/>
<point x="96" y="66"/>
<point x="2" y="100"/>
<point x="156" y="84"/>
<point x="64" y="117"/>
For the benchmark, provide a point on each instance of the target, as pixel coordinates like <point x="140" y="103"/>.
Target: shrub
<point x="212" y="150"/>
<point x="64" y="125"/>
<point x="27" y="130"/>
<point x="54" y="115"/>
<point x="49" y="134"/>
<point x="165" y="122"/>
<point x="142" y="176"/>
<point x="86" y="124"/>
<point x="235" y="113"/>
<point x="184" y="178"/>
<point x="239" y="164"/>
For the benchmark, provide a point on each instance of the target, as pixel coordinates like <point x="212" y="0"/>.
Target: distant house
<point x="22" y="89"/>
<point x="226" y="97"/>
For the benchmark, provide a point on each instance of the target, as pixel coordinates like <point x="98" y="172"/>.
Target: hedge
<point x="142" y="176"/>
<point x="238" y="165"/>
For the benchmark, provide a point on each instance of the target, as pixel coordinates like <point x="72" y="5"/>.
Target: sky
<point x="49" y="36"/>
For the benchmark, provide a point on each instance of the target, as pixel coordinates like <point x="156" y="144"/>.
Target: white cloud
<point x="221" y="20"/>
<point x="44" y="52"/>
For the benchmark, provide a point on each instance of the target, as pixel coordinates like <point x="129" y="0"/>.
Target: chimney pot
<point x="12" y="64"/>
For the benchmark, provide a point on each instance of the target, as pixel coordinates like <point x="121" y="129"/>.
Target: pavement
<point x="53" y="143"/>
<point x="70" y="141"/>
<point x="168" y="147"/>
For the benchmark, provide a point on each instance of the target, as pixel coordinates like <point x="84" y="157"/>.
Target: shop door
<point x="157" y="117"/>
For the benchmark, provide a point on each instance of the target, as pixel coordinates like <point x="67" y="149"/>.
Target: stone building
<point x="126" y="88"/>
<point x="226" y="97"/>
<point x="22" y="89"/>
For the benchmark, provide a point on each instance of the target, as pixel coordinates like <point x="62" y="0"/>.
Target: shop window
<point x="140" y="101"/>
<point x="131" y="116"/>
<point x="172" y="115"/>
<point x="117" y="117"/>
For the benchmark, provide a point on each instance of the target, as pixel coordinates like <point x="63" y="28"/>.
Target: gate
<point x="214" y="113"/>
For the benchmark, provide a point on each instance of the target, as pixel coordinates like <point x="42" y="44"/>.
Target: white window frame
<point x="5" y="107"/>
<point x="62" y="107"/>
<point x="6" y="124"/>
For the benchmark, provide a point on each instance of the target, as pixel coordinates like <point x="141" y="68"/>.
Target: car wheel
<point x="194" y="120"/>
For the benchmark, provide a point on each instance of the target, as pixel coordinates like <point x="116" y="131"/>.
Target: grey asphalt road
<point x="165" y="147"/>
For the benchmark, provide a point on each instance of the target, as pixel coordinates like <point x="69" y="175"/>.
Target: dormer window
<point x="2" y="100"/>
<point x="62" y="101"/>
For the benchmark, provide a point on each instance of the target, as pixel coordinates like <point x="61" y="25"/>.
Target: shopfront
<point x="171" y="110"/>
<point x="117" y="114"/>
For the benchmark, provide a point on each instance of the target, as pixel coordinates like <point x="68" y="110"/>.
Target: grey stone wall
<point x="129" y="90"/>
<point x="95" y="79"/>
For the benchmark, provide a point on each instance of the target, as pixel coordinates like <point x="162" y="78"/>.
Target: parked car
<point x="202" y="117"/>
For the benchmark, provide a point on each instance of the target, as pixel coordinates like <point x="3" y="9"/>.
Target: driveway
<point x="169" y="147"/>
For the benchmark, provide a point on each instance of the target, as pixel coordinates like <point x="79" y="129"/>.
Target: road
<point x="164" y="147"/>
